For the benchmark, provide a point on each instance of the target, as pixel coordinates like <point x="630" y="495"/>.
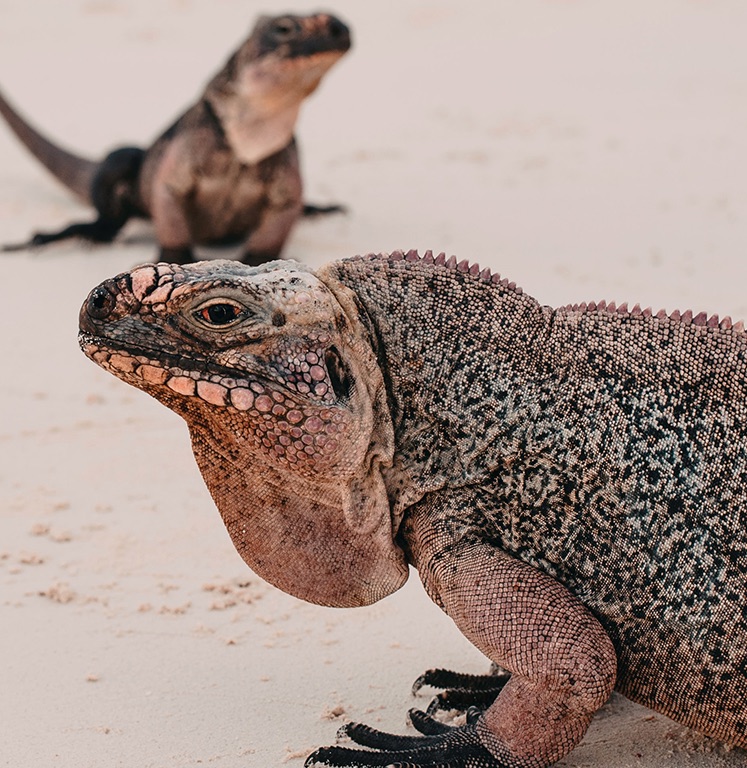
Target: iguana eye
<point x="283" y="29"/>
<point x="220" y="314"/>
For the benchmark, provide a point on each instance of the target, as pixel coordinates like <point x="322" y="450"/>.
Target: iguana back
<point x="606" y="447"/>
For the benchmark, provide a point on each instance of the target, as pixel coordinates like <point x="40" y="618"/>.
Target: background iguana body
<point x="570" y="483"/>
<point x="227" y="170"/>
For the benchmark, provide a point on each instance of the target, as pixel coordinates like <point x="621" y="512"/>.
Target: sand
<point x="585" y="149"/>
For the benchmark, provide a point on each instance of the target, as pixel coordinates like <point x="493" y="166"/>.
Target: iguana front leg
<point x="562" y="662"/>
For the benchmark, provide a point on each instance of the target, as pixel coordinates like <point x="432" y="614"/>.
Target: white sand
<point x="586" y="149"/>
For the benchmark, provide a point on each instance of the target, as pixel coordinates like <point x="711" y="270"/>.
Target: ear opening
<point x="340" y="376"/>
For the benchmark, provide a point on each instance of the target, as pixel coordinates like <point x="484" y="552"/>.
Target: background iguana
<point x="569" y="483"/>
<point x="227" y="170"/>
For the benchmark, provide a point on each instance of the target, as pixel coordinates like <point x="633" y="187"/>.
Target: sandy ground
<point x="587" y="149"/>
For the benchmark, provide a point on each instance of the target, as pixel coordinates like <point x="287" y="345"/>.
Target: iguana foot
<point x="440" y="746"/>
<point x="99" y="231"/>
<point x="310" y="210"/>
<point x="462" y="691"/>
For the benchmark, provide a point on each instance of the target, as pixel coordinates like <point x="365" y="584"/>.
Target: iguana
<point x="227" y="170"/>
<point x="570" y="483"/>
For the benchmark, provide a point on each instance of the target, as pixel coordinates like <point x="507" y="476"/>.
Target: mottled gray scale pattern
<point x="605" y="448"/>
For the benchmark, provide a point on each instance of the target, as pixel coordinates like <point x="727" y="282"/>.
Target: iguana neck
<point x="485" y="353"/>
<point x="254" y="130"/>
<point x="258" y="104"/>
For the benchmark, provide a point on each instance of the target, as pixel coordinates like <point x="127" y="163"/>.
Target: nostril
<point x="100" y="303"/>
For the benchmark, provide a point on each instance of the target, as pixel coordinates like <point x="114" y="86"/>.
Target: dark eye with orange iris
<point x="219" y="314"/>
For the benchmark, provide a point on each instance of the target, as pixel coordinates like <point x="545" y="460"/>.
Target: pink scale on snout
<point x="123" y="363"/>
<point x="215" y="394"/>
<point x="152" y="374"/>
<point x="142" y="279"/>
<point x="182" y="385"/>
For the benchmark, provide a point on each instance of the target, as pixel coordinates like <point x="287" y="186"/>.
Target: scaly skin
<point x="569" y="483"/>
<point x="227" y="170"/>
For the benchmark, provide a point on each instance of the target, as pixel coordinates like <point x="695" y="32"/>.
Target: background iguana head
<point x="283" y="59"/>
<point x="258" y="93"/>
<point x="278" y="382"/>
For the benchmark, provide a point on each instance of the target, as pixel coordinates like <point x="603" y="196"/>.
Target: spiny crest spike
<point x="412" y="255"/>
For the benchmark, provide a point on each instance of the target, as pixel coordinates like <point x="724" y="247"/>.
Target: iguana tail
<point x="76" y="173"/>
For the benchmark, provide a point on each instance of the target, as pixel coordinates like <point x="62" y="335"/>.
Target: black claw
<point x="473" y="715"/>
<point x="461" y="700"/>
<point x="445" y="678"/>
<point x="439" y="745"/>
<point x="388" y="742"/>
<point x="426" y="724"/>
<point x="462" y="691"/>
<point x="459" y="748"/>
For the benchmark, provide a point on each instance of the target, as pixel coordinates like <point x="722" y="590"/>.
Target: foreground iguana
<point x="571" y="484"/>
<point x="227" y="170"/>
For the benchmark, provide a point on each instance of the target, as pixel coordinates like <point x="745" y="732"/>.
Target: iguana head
<point x="279" y="385"/>
<point x="258" y="94"/>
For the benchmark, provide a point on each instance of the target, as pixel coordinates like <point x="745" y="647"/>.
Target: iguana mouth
<point x="213" y="383"/>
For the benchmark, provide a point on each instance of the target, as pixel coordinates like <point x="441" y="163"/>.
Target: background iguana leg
<point x="100" y="231"/>
<point x="266" y="241"/>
